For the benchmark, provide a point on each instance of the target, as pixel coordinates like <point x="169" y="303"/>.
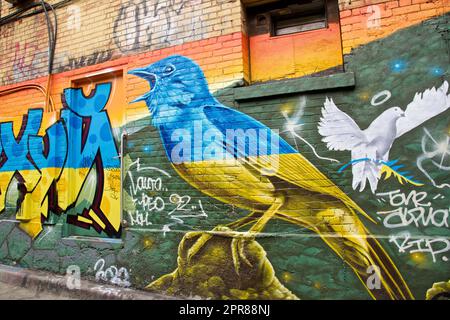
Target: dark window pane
<point x="299" y="24"/>
<point x="299" y="17"/>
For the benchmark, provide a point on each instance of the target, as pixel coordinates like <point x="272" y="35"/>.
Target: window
<point x="293" y="38"/>
<point x="299" y="18"/>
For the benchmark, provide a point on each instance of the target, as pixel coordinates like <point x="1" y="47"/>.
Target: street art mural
<point x="69" y="169"/>
<point x="415" y="209"/>
<point x="438" y="156"/>
<point x="293" y="189"/>
<point x="151" y="197"/>
<point x="370" y="147"/>
<point x="228" y="198"/>
<point x="406" y="214"/>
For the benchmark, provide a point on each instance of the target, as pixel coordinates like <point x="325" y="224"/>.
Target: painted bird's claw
<point x="203" y="238"/>
<point x="237" y="252"/>
<point x="237" y="244"/>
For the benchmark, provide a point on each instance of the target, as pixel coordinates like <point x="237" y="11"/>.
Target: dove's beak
<point x="403" y="114"/>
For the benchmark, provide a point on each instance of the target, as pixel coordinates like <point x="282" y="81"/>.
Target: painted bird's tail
<point x="373" y="266"/>
<point x="351" y="241"/>
<point x="391" y="279"/>
<point x="365" y="255"/>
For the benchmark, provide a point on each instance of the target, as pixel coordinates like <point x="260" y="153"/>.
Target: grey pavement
<point x="13" y="292"/>
<point x="25" y="284"/>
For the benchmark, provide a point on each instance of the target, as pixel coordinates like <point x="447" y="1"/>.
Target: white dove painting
<point x="370" y="147"/>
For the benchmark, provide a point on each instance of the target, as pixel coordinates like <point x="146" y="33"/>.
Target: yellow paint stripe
<point x="85" y="220"/>
<point x="97" y="219"/>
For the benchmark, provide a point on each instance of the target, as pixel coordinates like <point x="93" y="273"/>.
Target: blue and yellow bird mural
<point x="270" y="179"/>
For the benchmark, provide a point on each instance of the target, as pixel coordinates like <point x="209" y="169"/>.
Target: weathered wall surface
<point x="91" y="33"/>
<point x="61" y="198"/>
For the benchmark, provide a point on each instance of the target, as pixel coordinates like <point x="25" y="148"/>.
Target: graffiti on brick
<point x="26" y="62"/>
<point x="77" y="153"/>
<point x="415" y="209"/>
<point x="96" y="57"/>
<point x="112" y="274"/>
<point x="180" y="99"/>
<point x="145" y="25"/>
<point x="370" y="148"/>
<point x="435" y="156"/>
<point x="151" y="199"/>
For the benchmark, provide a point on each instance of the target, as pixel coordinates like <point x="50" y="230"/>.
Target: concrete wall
<point x="353" y="214"/>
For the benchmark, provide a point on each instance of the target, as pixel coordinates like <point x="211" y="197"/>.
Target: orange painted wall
<point x="359" y="23"/>
<point x="296" y="55"/>
<point x="366" y="21"/>
<point x="219" y="57"/>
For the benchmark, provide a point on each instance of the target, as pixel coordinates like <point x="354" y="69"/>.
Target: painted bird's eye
<point x="169" y="69"/>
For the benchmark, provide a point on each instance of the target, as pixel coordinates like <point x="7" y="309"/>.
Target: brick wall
<point x="91" y="32"/>
<point x="364" y="21"/>
<point x="104" y="40"/>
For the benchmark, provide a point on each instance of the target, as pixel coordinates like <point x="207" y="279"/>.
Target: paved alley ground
<point x="10" y="292"/>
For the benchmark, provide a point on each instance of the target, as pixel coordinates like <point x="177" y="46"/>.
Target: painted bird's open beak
<point x="144" y="97"/>
<point x="142" y="73"/>
<point x="150" y="77"/>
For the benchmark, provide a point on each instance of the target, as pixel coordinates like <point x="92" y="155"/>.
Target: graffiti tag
<point x="147" y="185"/>
<point x="117" y="276"/>
<point x="414" y="210"/>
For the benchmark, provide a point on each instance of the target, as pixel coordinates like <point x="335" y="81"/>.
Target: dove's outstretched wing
<point x="340" y="132"/>
<point x="424" y="106"/>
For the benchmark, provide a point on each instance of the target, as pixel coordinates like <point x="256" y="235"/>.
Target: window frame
<point x="273" y="22"/>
